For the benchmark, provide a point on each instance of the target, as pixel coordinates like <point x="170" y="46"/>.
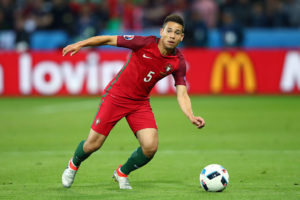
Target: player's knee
<point x="150" y="150"/>
<point x="93" y="142"/>
<point x="91" y="147"/>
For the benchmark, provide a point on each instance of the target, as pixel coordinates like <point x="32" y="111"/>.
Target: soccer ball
<point x="214" y="178"/>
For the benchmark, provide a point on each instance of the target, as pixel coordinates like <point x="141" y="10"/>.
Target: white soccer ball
<point x="214" y="178"/>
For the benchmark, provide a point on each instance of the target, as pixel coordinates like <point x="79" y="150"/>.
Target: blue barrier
<point x="270" y="38"/>
<point x="44" y="40"/>
<point x="254" y="38"/>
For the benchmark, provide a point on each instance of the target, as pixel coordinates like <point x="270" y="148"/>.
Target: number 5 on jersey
<point x="149" y="76"/>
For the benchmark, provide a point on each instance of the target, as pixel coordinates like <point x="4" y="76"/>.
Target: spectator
<point x="242" y="12"/>
<point x="208" y="11"/>
<point x="115" y="20"/>
<point x="154" y="12"/>
<point x="84" y="18"/>
<point x="292" y="10"/>
<point x="180" y="6"/>
<point x="231" y="30"/>
<point x="6" y="14"/>
<point x="41" y="13"/>
<point x="24" y="24"/>
<point x="87" y="23"/>
<point x="102" y="14"/>
<point x="3" y="22"/>
<point x="196" y="31"/>
<point x="258" y="18"/>
<point x="275" y="15"/>
<point x="132" y="16"/>
<point x="63" y="17"/>
<point x="23" y="29"/>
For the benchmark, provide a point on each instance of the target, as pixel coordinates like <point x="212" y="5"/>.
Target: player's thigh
<point x="148" y="137"/>
<point x="93" y="142"/>
<point x="141" y="118"/>
<point x="109" y="113"/>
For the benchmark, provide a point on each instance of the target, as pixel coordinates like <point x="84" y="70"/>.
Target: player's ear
<point x="182" y="36"/>
<point x="161" y="31"/>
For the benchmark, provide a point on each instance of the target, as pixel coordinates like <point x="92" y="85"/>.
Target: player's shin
<point x="80" y="155"/>
<point x="135" y="161"/>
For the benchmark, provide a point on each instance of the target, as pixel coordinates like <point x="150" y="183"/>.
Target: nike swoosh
<point x="144" y="55"/>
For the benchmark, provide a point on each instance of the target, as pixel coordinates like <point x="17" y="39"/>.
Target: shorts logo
<point x="97" y="121"/>
<point x="128" y="37"/>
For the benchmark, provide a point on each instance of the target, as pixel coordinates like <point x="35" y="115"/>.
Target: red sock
<point x="72" y="166"/>
<point x="121" y="174"/>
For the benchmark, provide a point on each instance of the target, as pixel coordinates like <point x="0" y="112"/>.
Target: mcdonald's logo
<point x="233" y="67"/>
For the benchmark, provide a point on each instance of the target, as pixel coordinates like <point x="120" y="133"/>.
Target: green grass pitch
<point x="256" y="138"/>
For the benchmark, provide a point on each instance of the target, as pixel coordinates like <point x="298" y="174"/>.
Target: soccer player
<point x="127" y="95"/>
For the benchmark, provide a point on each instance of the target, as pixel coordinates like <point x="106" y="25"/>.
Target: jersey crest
<point x="167" y="68"/>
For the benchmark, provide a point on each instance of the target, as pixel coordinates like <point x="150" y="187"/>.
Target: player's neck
<point x="163" y="50"/>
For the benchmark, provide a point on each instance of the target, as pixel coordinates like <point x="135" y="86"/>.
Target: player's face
<point x="171" y="35"/>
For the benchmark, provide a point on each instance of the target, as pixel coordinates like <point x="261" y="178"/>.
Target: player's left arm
<point x="185" y="104"/>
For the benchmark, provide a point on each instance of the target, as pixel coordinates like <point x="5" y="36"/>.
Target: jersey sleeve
<point x="134" y="42"/>
<point x="179" y="74"/>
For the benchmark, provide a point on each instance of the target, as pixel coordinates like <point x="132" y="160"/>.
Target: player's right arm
<point x="93" y="41"/>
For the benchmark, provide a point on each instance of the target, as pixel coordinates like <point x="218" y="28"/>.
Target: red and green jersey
<point x="144" y="68"/>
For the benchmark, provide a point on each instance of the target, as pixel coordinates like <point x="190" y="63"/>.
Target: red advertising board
<point x="208" y="72"/>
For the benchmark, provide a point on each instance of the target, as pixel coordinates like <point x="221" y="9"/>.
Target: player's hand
<point x="197" y="121"/>
<point x="72" y="48"/>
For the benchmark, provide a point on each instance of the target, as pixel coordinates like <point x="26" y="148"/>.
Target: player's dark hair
<point x="174" y="18"/>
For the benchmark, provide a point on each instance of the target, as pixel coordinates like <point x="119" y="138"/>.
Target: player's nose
<point x="172" y="35"/>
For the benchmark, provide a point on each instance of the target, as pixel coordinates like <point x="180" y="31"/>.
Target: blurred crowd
<point x="82" y="19"/>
